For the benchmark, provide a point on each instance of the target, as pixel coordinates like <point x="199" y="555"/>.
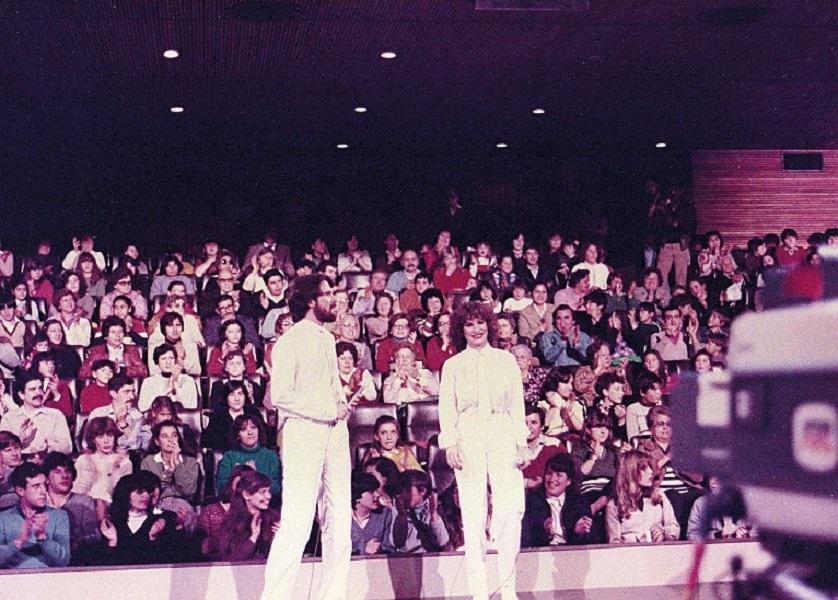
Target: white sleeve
<point x="448" y="435"/>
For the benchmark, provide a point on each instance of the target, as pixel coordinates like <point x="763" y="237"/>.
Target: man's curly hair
<point x="467" y="312"/>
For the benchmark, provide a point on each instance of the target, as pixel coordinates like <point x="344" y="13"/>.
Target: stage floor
<point x="614" y="572"/>
<point x="706" y="591"/>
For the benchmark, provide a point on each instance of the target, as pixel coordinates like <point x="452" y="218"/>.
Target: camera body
<point x="770" y="426"/>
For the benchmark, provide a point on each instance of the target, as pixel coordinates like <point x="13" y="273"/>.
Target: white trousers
<point x="316" y="473"/>
<point x="491" y="459"/>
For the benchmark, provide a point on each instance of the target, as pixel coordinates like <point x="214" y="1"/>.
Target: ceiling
<point x="85" y="91"/>
<point x="628" y="70"/>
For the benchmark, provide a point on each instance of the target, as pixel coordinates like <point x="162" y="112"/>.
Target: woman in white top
<point x="101" y="466"/>
<point x="639" y="511"/>
<point x="592" y="256"/>
<point x="170" y="381"/>
<point x="76" y="327"/>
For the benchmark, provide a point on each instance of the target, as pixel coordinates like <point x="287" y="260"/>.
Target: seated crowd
<point x="135" y="415"/>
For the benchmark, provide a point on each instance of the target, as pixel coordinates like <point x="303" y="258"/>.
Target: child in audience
<point x="483" y="261"/>
<point x="643" y="326"/>
<point x="96" y="393"/>
<point x="386" y="443"/>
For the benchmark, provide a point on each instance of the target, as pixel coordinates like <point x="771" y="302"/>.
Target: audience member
<point x="401" y="334"/>
<point x="648" y="387"/>
<point x="34" y="536"/>
<point x="169" y="381"/>
<point x="357" y="383"/>
<point x="555" y="513"/>
<point x="638" y="511"/>
<point x="235" y="401"/>
<point x="567" y="344"/>
<point x="56" y="392"/>
<point x="125" y="357"/>
<point x="540" y="447"/>
<point x="101" y="466"/>
<point x="95" y="394"/>
<point x="178" y="472"/>
<point x="372" y="524"/>
<point x="386" y="443"/>
<point x="248" y="435"/>
<point x="80" y="508"/>
<point x="248" y="528"/>
<point x="408" y="382"/>
<point x="137" y="533"/>
<point x="418" y="526"/>
<point x="10" y="458"/>
<point x="39" y="428"/>
<point x="211" y="516"/>
<point x="532" y="376"/>
<point x="121" y="409"/>
<point x="536" y="318"/>
<point x="123" y="285"/>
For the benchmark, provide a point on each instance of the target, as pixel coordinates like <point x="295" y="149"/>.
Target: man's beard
<point x="324" y="316"/>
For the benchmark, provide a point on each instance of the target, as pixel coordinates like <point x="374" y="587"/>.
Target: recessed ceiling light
<point x="501" y="145"/>
<point x="538" y="111"/>
<point x="176" y="109"/>
<point x="171" y="54"/>
<point x="660" y="145"/>
<point x="388" y="54"/>
<point x="360" y="109"/>
<point x="342" y="146"/>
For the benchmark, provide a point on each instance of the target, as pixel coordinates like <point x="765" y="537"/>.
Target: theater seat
<point x="193" y="418"/>
<point x="354" y="280"/>
<point x="422" y="421"/>
<point x="441" y="474"/>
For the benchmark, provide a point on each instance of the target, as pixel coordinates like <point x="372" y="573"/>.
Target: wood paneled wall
<point x="744" y="193"/>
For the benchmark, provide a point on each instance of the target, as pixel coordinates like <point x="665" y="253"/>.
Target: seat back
<point x="422" y="421"/>
<point x="354" y="280"/>
<point x="441" y="474"/>
<point x="193" y="418"/>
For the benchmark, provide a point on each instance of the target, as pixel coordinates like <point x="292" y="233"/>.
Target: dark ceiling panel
<point x="622" y="73"/>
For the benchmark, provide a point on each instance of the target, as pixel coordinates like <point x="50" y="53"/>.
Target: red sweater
<point x="436" y="356"/>
<point x="446" y="284"/>
<point x="93" y="396"/>
<point x="215" y="363"/>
